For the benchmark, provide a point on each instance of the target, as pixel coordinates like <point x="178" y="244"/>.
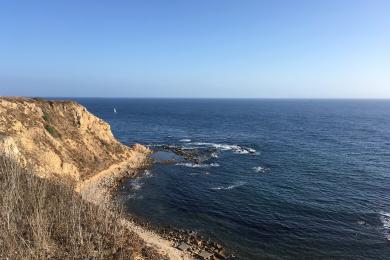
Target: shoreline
<point x="99" y="189"/>
<point x="196" y="244"/>
<point x="172" y="242"/>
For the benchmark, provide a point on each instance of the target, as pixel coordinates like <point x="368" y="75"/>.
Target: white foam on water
<point x="147" y="173"/>
<point x="154" y="145"/>
<point x="227" y="147"/>
<point x="185" y="140"/>
<point x="229" y="187"/>
<point x="188" y="148"/>
<point x="385" y="219"/>
<point x="202" y="144"/>
<point x="196" y="165"/>
<point x="134" y="196"/>
<point x="260" y="169"/>
<point x="136" y="186"/>
<point x="251" y="150"/>
<point x="361" y="222"/>
<point x="131" y="196"/>
<point x="240" y="151"/>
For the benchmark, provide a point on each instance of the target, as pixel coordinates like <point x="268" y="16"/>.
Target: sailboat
<point x="114" y="110"/>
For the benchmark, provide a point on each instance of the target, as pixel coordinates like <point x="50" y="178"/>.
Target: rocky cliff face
<point x="59" y="137"/>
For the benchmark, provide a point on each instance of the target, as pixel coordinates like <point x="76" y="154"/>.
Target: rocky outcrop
<point x="59" y="138"/>
<point x="8" y="147"/>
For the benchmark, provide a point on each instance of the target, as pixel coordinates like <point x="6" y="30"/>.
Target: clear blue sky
<point x="211" y="48"/>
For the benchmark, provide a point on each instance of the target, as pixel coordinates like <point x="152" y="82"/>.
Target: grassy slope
<point x="42" y="219"/>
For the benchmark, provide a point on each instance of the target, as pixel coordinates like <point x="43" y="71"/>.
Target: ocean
<point x="286" y="179"/>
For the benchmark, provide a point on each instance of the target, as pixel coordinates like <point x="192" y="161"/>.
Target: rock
<point x="184" y="247"/>
<point x="205" y="255"/>
<point x="221" y="254"/>
<point x="8" y="147"/>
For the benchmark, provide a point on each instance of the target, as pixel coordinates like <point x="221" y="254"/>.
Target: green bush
<point x="52" y="131"/>
<point x="46" y="117"/>
<point x="39" y="99"/>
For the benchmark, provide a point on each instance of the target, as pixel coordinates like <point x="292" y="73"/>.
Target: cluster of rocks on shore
<point x="185" y="240"/>
<point x="188" y="241"/>
<point x="195" y="244"/>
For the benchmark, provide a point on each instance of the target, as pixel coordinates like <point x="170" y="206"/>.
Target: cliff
<point x="59" y="138"/>
<point x="62" y="139"/>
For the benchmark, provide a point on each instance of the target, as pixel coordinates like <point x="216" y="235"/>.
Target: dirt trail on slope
<point x="96" y="190"/>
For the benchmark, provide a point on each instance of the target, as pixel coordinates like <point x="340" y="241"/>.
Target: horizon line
<point x="248" y="98"/>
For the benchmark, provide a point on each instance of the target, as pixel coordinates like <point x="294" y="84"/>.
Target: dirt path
<point x="95" y="190"/>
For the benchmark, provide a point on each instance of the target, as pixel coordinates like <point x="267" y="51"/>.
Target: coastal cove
<point x="195" y="130"/>
<point x="273" y="179"/>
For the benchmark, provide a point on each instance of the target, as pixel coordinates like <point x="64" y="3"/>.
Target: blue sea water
<point x="290" y="179"/>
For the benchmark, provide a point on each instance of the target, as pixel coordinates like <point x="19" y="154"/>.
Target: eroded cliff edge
<point x="59" y="138"/>
<point x="62" y="139"/>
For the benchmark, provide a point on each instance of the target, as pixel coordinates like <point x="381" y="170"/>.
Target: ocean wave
<point x="227" y="147"/>
<point x="134" y="196"/>
<point x="260" y="169"/>
<point x="214" y="155"/>
<point x="198" y="165"/>
<point x="154" y="145"/>
<point x="136" y="184"/>
<point x="241" y="151"/>
<point x="251" y="150"/>
<point x="185" y="140"/>
<point x="229" y="187"/>
<point x="385" y="219"/>
<point x="147" y="173"/>
<point x="361" y="222"/>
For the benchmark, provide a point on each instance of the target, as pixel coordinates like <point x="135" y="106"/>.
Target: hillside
<point x="59" y="137"/>
<point x="44" y="219"/>
<point x="59" y="165"/>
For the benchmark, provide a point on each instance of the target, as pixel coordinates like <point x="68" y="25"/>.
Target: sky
<point x="199" y="48"/>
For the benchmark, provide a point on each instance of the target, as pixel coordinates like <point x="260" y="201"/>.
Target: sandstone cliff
<point x="59" y="137"/>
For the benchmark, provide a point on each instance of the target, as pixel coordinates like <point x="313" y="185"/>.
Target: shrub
<point x="46" y="117"/>
<point x="52" y="131"/>
<point x="39" y="99"/>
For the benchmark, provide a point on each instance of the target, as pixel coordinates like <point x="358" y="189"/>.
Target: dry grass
<point x="41" y="219"/>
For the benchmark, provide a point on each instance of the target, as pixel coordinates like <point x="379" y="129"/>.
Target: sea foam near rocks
<point x="385" y="219"/>
<point x="260" y="169"/>
<point x="227" y="147"/>
<point x="229" y="187"/>
<point x="197" y="165"/>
